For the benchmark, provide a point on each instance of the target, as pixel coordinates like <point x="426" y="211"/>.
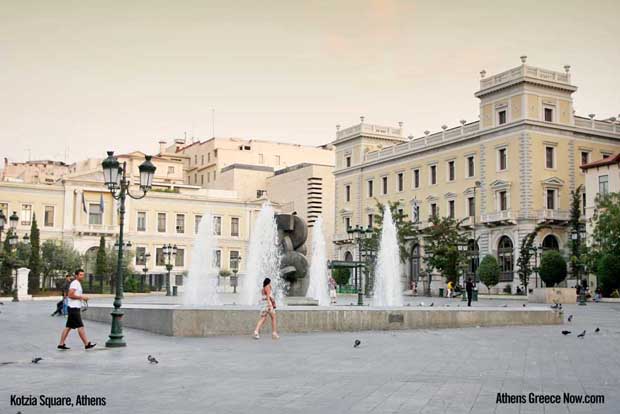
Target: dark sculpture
<point x="292" y="235"/>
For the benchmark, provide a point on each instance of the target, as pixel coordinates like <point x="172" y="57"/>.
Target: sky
<point x="82" y="77"/>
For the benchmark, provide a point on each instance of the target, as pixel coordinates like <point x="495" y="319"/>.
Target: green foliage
<point x="405" y="229"/>
<point x="131" y="284"/>
<point x="112" y="263"/>
<point x="488" y="271"/>
<point x="58" y="259"/>
<point x="606" y="234"/>
<point x="341" y="275"/>
<point x="34" y="262"/>
<point x="524" y="263"/>
<point x="101" y="264"/>
<point x="575" y="227"/>
<point x="608" y="272"/>
<point x="552" y="268"/>
<point x="6" y="269"/>
<point x="441" y="241"/>
<point x="225" y="273"/>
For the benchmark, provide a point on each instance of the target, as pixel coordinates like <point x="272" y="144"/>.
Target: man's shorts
<point x="74" y="320"/>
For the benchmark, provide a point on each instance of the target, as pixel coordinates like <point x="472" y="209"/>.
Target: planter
<point x="553" y="295"/>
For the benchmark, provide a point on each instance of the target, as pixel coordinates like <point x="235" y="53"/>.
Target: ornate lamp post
<point x="2" y="223"/>
<point x="115" y="178"/>
<point x="145" y="269"/>
<point x="462" y="248"/>
<point x="234" y="281"/>
<point x="170" y="253"/>
<point x="357" y="235"/>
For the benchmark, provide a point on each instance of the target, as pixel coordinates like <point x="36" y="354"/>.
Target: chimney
<point x="162" y="147"/>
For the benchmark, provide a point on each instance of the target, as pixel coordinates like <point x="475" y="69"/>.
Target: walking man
<point x="469" y="288"/>
<point x="74" y="320"/>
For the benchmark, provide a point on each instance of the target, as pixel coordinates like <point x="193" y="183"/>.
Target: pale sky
<point x="87" y="76"/>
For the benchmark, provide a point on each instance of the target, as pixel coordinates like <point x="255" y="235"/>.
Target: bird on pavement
<point x="597" y="330"/>
<point x="581" y="335"/>
<point x="2" y="303"/>
<point x="570" y="318"/>
<point x="565" y="332"/>
<point x="432" y="304"/>
<point x="357" y="343"/>
<point x="524" y="305"/>
<point x="504" y="306"/>
<point x="36" y="360"/>
<point x="152" y="359"/>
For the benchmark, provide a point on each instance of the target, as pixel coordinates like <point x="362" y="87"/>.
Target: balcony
<point x="497" y="218"/>
<point x="552" y="216"/>
<point x="95" y="229"/>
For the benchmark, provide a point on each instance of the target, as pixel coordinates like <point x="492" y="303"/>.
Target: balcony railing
<point x="96" y="228"/>
<point x="497" y="216"/>
<point x="555" y="215"/>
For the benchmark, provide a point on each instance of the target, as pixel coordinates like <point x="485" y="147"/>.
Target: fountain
<point x="318" y="288"/>
<point x="388" y="289"/>
<point x="201" y="283"/>
<point x="263" y="259"/>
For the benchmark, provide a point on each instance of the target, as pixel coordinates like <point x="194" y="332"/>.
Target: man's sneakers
<point x="63" y="347"/>
<point x="90" y="345"/>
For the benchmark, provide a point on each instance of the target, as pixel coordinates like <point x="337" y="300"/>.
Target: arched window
<point x="550" y="243"/>
<point x="473" y="258"/>
<point x="505" y="257"/>
<point x="415" y="263"/>
<point x="348" y="257"/>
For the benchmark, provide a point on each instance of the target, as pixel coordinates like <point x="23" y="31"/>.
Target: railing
<point x="96" y="228"/>
<point x="606" y="126"/>
<point x="496" y="216"/>
<point x="371" y="129"/>
<point x="562" y="215"/>
<point x="523" y="71"/>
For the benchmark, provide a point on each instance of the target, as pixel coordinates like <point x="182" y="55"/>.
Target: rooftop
<point x="603" y="162"/>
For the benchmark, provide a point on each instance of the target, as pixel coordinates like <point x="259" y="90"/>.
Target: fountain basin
<point x="178" y="320"/>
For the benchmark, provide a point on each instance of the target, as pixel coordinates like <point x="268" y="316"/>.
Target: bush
<point x="608" y="272"/>
<point x="131" y="284"/>
<point x="552" y="268"/>
<point x="508" y="288"/>
<point x="488" y="271"/>
<point x="341" y="275"/>
<point x="225" y="273"/>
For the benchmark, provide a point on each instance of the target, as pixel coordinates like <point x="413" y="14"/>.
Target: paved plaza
<point x="419" y="371"/>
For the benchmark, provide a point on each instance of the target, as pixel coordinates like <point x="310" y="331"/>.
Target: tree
<point x="608" y="272"/>
<point x="552" y="268"/>
<point x="525" y="256"/>
<point x="34" y="262"/>
<point x="341" y="275"/>
<point x="112" y="260"/>
<point x="606" y="233"/>
<point x="6" y="268"/>
<point x="101" y="265"/>
<point x="405" y="229"/>
<point x="58" y="259"/>
<point x="488" y="271"/>
<point x="441" y="245"/>
<point x="575" y="226"/>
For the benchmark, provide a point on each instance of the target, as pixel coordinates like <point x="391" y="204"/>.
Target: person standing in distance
<point x="74" y="320"/>
<point x="469" y="288"/>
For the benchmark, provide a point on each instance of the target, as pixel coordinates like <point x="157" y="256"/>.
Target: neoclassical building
<point x="503" y="174"/>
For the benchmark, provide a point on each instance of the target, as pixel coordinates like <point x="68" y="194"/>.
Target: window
<point x="234" y="260"/>
<point x="170" y="170"/>
<point x="401" y="181"/>
<point x="195" y="178"/>
<point x="370" y="220"/>
<point x="583" y="203"/>
<point x="505" y="256"/>
<point x="141" y="221"/>
<point x="434" y="211"/>
<point x="202" y="179"/>
<point x="180" y="228"/>
<point x="197" y="219"/>
<point x="196" y="159"/>
<point x="471" y="206"/>
<point x="95" y="216"/>
<point x="208" y="176"/>
<point x="208" y="157"/>
<point x="384" y="181"/>
<point x="234" y="226"/>
<point x="179" y="260"/>
<point x="261" y="158"/>
<point x="605" y="155"/>
<point x="451" y="208"/>
<point x="48" y="219"/>
<point x="501" y="117"/>
<point x="503" y="200"/>
<point x="202" y="160"/>
<point x="549" y="157"/>
<point x="416" y="213"/>
<point x="470" y="166"/>
<point x="548" y="114"/>
<point x="370" y="188"/>
<point x="161" y="222"/>
<point x="277" y="160"/>
<point x="347" y="223"/>
<point x="140" y="256"/>
<point x="502" y="161"/>
<point x="551" y="199"/>
<point x="603" y="184"/>
<point x="217" y="225"/>
<point x="348" y="161"/>
<point x="585" y="157"/>
<point x="450" y="170"/>
<point x="433" y="174"/>
<point x="217" y="259"/>
<point x="214" y="175"/>
<point x="159" y="257"/>
<point x="347" y="193"/>
<point x="401" y="212"/>
<point x="416" y="178"/>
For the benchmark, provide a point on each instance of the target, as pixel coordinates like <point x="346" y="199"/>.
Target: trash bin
<point x="441" y="292"/>
<point x="474" y="295"/>
<point x="174" y="290"/>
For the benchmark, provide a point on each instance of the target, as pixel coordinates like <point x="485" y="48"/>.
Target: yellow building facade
<point x="503" y="175"/>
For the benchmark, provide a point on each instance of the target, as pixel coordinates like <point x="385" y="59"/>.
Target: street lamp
<point x="234" y="280"/>
<point x="576" y="236"/>
<point x="115" y="178"/>
<point x="170" y="252"/>
<point x="2" y="223"/>
<point x="145" y="269"/>
<point x="357" y="235"/>
<point x="13" y="221"/>
<point x="462" y="248"/>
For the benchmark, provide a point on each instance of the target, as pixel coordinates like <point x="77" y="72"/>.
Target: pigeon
<point x="597" y="330"/>
<point x="152" y="359"/>
<point x="36" y="360"/>
<point x="524" y="305"/>
<point x="565" y="332"/>
<point x="357" y="343"/>
<point x="432" y="304"/>
<point x="570" y="318"/>
<point x="504" y="306"/>
<point x="2" y="303"/>
<point x="581" y="335"/>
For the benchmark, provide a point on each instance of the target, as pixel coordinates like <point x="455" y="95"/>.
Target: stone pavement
<point x="420" y="371"/>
